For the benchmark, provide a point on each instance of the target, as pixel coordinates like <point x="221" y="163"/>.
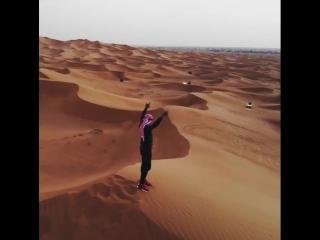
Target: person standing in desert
<point x="146" y="144"/>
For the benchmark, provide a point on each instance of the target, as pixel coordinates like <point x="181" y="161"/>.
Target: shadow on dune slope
<point x="263" y="90"/>
<point x="188" y="100"/>
<point x="43" y="75"/>
<point x="181" y="87"/>
<point x="116" y="147"/>
<point x="59" y="70"/>
<point x="275" y="106"/>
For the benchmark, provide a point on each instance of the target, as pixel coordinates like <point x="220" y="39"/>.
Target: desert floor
<point x="216" y="163"/>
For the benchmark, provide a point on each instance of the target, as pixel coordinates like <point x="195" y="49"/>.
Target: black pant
<point x="146" y="155"/>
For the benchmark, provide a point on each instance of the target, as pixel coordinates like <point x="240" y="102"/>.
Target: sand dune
<point x="216" y="164"/>
<point x="275" y="106"/>
<point x="105" y="210"/>
<point x="181" y="87"/>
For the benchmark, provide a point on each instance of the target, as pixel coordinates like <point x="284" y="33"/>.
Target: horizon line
<point x="203" y="47"/>
<point x="140" y="45"/>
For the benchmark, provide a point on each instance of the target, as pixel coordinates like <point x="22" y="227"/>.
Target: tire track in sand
<point x="237" y="138"/>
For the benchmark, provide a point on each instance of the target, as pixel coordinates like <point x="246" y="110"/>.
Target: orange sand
<point x="216" y="164"/>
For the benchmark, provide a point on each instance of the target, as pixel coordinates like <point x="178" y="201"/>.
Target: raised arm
<point x="158" y="121"/>
<point x="144" y="112"/>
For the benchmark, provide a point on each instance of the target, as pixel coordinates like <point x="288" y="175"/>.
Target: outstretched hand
<point x="165" y="114"/>
<point x="147" y="105"/>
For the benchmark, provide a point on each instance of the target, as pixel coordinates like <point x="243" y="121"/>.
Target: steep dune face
<point x="216" y="163"/>
<point x="73" y="149"/>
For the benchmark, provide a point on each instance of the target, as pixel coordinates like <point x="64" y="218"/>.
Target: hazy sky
<point x="203" y="23"/>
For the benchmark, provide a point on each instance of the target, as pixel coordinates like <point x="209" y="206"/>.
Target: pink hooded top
<point x="146" y="121"/>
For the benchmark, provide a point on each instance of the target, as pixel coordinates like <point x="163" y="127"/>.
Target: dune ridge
<point x="216" y="163"/>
